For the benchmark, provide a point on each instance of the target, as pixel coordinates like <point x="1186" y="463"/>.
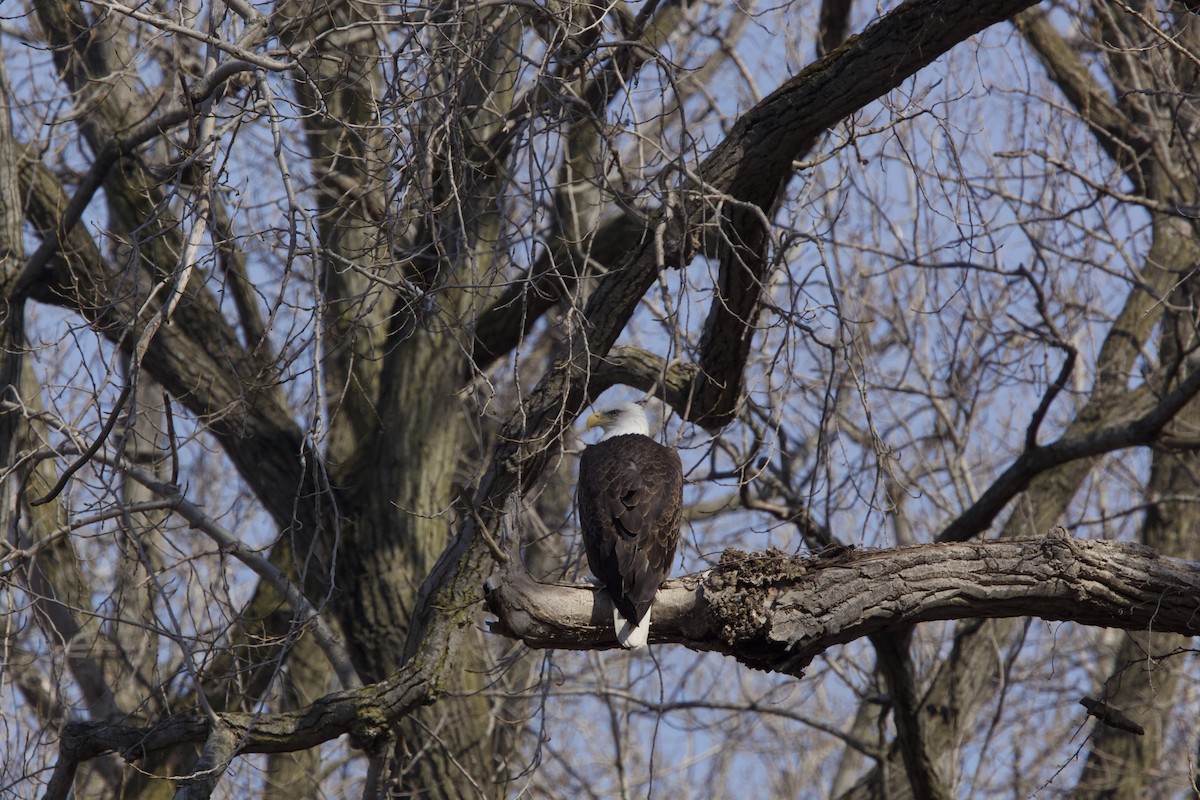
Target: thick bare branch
<point x="198" y="357"/>
<point x="752" y="163"/>
<point x="920" y="760"/>
<point x="364" y="714"/>
<point x="219" y="749"/>
<point x="778" y="613"/>
<point x="1139" y="431"/>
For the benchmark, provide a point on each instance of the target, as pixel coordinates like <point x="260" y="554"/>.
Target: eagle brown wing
<point x="630" y="497"/>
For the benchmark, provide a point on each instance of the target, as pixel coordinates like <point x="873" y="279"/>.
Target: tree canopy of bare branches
<point x="303" y="301"/>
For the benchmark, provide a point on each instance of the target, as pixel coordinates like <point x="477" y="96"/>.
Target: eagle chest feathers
<point x="630" y="497"/>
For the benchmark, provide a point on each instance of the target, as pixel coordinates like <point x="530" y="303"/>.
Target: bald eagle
<point x="629" y="497"/>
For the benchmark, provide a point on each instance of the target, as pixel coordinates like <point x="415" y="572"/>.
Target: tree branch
<point x="895" y="662"/>
<point x="1031" y="463"/>
<point x="777" y="613"/>
<point x="750" y="166"/>
<point x="198" y="358"/>
<point x="219" y="749"/>
<point x="364" y="714"/>
<point x="1113" y="131"/>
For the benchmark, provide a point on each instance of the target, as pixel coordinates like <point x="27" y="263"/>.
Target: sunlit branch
<point x="777" y="613"/>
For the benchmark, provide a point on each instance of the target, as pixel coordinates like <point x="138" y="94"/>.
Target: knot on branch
<point x="1061" y="553"/>
<point x="372" y="732"/>
<point x="742" y="594"/>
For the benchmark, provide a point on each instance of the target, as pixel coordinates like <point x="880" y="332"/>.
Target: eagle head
<point x="619" y="420"/>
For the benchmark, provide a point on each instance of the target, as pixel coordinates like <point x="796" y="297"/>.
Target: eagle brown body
<point x="630" y="499"/>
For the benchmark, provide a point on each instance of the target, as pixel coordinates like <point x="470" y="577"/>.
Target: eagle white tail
<point x="629" y="635"/>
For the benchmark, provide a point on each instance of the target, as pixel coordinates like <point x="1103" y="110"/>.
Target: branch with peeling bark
<point x="775" y="612"/>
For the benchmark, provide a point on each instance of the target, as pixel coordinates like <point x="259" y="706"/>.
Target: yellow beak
<point x="594" y="420"/>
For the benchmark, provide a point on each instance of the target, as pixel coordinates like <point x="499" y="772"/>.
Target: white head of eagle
<point x="629" y="496"/>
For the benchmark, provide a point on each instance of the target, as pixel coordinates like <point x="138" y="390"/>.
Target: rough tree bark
<point x="777" y="613"/>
